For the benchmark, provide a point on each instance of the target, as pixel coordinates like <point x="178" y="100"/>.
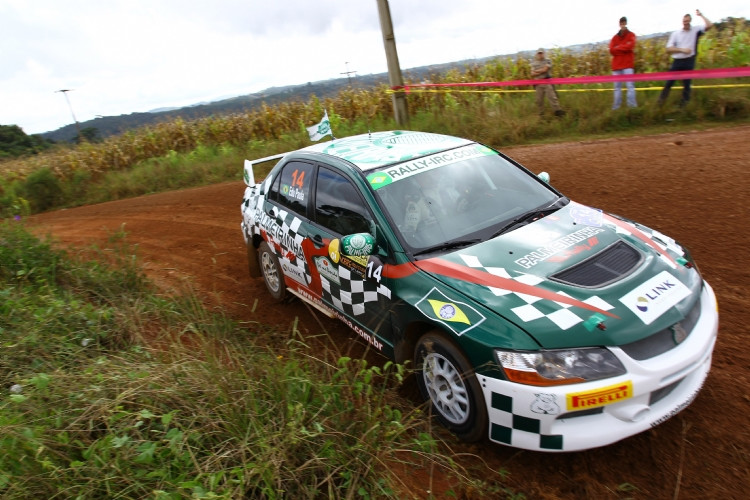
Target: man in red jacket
<point x="622" y="48"/>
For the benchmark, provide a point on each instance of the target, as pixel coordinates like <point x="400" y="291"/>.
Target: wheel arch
<point x="404" y="349"/>
<point x="253" y="264"/>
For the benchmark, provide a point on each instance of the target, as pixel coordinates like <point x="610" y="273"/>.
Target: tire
<point x="446" y="379"/>
<point x="272" y="273"/>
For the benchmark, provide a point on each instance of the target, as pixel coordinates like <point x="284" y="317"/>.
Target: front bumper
<point x="589" y="415"/>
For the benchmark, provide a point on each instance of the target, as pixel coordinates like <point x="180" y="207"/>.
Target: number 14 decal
<point x="298" y="178"/>
<point x="374" y="270"/>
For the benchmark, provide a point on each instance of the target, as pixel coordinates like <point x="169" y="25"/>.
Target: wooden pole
<point x="400" y="110"/>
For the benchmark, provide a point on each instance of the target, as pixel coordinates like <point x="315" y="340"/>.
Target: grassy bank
<point x="109" y="390"/>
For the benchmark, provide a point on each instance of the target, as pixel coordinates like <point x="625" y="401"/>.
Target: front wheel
<point x="445" y="377"/>
<point x="272" y="273"/>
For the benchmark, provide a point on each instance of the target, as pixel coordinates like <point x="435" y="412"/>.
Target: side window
<point x="338" y="205"/>
<point x="292" y="187"/>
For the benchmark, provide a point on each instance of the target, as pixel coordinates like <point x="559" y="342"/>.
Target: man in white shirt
<point x="683" y="47"/>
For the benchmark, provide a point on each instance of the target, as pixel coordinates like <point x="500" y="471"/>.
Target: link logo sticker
<point x="458" y="316"/>
<point x="655" y="297"/>
<point x="599" y="397"/>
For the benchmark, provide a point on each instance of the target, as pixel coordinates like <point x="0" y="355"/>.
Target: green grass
<point x="111" y="390"/>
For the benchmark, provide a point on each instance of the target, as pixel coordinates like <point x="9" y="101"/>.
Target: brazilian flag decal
<point x="379" y="179"/>
<point x="460" y="317"/>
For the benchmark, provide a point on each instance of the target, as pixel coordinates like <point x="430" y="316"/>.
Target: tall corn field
<point x="726" y="45"/>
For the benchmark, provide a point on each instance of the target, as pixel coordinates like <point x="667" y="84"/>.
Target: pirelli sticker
<point x="599" y="397"/>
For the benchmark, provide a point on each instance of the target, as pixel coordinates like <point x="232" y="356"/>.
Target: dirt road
<point x="692" y="186"/>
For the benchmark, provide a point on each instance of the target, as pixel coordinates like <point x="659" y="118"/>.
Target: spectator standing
<point x="540" y="70"/>
<point x="622" y="48"/>
<point x="683" y="47"/>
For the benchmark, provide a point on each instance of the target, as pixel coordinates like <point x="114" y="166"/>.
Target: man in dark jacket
<point x="622" y="48"/>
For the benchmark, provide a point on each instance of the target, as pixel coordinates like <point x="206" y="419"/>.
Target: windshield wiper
<point x="450" y="245"/>
<point x="530" y="216"/>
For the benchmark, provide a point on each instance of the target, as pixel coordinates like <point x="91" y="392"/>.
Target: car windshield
<point x="460" y="197"/>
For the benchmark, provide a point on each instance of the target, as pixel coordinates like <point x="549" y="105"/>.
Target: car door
<point x="353" y="285"/>
<point x="285" y="222"/>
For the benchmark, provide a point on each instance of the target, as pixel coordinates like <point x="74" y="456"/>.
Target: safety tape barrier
<point x="488" y="90"/>
<point x="582" y="80"/>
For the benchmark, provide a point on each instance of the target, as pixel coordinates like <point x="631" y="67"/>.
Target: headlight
<point x="570" y="366"/>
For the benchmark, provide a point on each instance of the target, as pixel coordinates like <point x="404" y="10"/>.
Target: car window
<point x="292" y="187"/>
<point x="458" y="201"/>
<point x="338" y="205"/>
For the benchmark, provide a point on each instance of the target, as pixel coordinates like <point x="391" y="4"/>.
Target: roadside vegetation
<point x="111" y="390"/>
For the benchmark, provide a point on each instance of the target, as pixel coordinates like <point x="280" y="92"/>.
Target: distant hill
<point x="114" y="125"/>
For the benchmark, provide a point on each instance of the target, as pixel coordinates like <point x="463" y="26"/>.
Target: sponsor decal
<point x="327" y="269"/>
<point x="460" y="317"/>
<point x="656" y="296"/>
<point x="293" y="272"/>
<point x="357" y="265"/>
<point x="367" y="337"/>
<point x="554" y="247"/>
<point x="278" y="235"/>
<point x="599" y="397"/>
<point x="293" y="192"/>
<point x="333" y="251"/>
<point x="357" y="245"/>
<point x="407" y="169"/>
<point x="586" y="215"/>
<point x="545" y="404"/>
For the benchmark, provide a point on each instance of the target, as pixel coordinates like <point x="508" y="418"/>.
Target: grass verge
<point x="110" y="390"/>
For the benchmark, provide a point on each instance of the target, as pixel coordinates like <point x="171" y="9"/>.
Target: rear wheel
<point x="272" y="273"/>
<point x="446" y="379"/>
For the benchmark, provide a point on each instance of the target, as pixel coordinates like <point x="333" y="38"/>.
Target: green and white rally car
<point x="533" y="320"/>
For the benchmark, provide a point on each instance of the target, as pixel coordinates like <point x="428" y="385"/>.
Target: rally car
<point x="531" y="320"/>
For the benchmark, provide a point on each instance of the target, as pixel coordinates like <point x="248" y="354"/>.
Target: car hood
<point x="578" y="277"/>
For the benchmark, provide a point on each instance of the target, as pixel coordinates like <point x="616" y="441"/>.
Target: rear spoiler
<point x="249" y="176"/>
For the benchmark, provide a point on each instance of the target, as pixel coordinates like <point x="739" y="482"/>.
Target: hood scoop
<point x="608" y="266"/>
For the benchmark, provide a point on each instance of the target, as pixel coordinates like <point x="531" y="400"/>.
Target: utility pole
<point x="78" y="126"/>
<point x="400" y="110"/>
<point x="348" y="73"/>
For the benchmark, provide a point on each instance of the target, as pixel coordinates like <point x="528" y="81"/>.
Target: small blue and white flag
<point x="322" y="129"/>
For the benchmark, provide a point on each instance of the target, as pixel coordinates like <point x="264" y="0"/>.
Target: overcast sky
<point x="125" y="56"/>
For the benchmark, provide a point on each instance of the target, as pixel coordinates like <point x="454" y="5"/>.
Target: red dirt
<point x="692" y="186"/>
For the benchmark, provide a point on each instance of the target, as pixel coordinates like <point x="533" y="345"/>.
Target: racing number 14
<point x="298" y="178"/>
<point x="374" y="271"/>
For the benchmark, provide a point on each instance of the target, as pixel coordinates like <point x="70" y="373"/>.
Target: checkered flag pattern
<point x="518" y="430"/>
<point x="353" y="294"/>
<point x="659" y="239"/>
<point x="290" y="225"/>
<point x="529" y="307"/>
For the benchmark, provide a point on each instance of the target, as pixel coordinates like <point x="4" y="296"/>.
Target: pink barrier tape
<point x="694" y="74"/>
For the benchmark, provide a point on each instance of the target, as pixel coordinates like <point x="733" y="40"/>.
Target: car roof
<point x="378" y="149"/>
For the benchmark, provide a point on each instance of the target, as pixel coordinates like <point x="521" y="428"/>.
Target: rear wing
<point x="249" y="176"/>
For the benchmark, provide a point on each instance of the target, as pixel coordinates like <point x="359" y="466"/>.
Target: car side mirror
<point x="544" y="176"/>
<point x="358" y="245"/>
